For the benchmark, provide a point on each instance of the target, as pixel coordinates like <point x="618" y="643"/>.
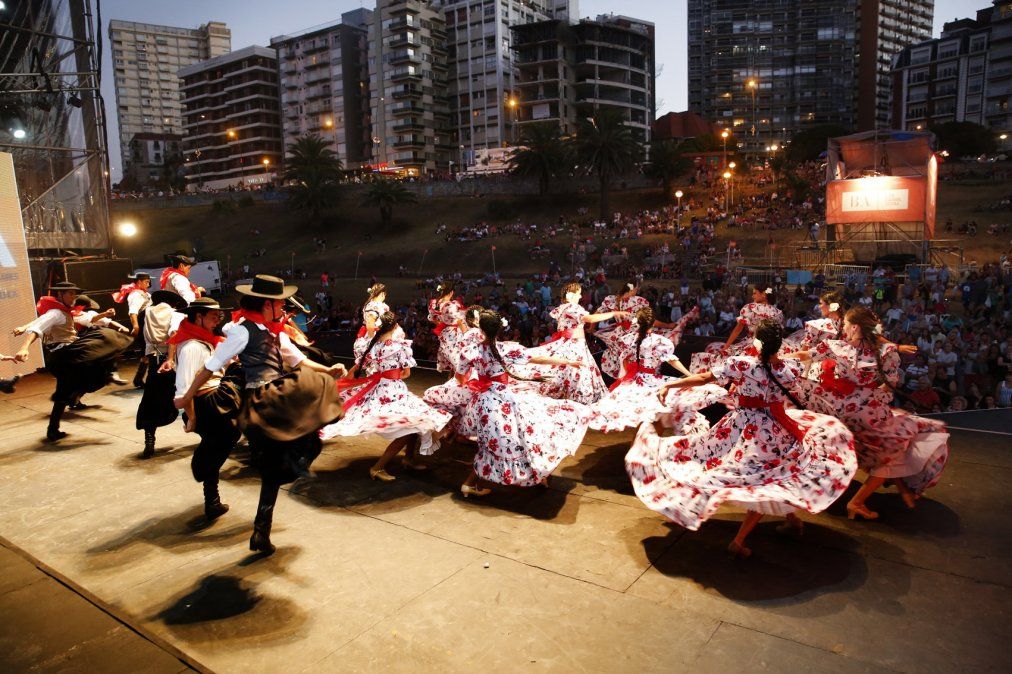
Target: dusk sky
<point x="255" y="22"/>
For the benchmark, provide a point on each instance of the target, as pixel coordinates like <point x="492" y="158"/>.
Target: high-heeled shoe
<point x="468" y="490"/>
<point x="738" y="550"/>
<point x="381" y="475"/>
<point x="854" y="510"/>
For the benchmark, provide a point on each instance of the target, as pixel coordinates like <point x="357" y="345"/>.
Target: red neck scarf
<point x="123" y="293"/>
<point x="188" y="331"/>
<point x="275" y="327"/>
<point x="167" y="274"/>
<point x="48" y="303"/>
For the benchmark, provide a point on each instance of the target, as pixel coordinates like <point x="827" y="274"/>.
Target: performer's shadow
<point x="228" y="599"/>
<point x="350" y="485"/>
<point x="782" y="569"/>
<point x="183" y="531"/>
<point x="929" y="517"/>
<point x="602" y="467"/>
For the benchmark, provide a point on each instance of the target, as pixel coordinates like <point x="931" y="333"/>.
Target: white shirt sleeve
<point x="174" y="322"/>
<point x="135" y="302"/>
<point x="85" y="319"/>
<point x="235" y="341"/>
<point x="46" y="322"/>
<point x="181" y="285"/>
<point x="190" y="359"/>
<point x="291" y="354"/>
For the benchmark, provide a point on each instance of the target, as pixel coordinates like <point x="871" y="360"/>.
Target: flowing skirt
<point x="582" y="384"/>
<point x="747" y="459"/>
<point x="635" y="402"/>
<point x="156" y="408"/>
<point x="523" y="436"/>
<point x="391" y="411"/>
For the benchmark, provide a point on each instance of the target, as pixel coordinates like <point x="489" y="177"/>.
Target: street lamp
<point x="678" y="195"/>
<point x="231" y="133"/>
<point x="731" y="166"/>
<point x="512" y="103"/>
<point x="723" y="135"/>
<point x="752" y="86"/>
<point x="127" y="229"/>
<point x="727" y="188"/>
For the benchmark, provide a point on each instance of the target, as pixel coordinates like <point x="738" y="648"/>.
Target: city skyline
<point x="249" y="28"/>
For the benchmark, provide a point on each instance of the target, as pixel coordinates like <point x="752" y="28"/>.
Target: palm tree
<point x="666" y="162"/>
<point x="385" y="194"/>
<point x="606" y="146"/>
<point x="316" y="171"/>
<point x="541" y="155"/>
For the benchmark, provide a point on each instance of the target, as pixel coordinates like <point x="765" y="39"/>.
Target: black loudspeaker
<point x="100" y="279"/>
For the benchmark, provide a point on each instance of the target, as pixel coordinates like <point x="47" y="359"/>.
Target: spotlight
<point x="75" y="101"/>
<point x="127" y="229"/>
<point x="19" y="134"/>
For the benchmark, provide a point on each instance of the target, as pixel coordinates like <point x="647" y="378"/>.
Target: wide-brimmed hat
<point x="85" y="301"/>
<point x="296" y="302"/>
<point x="268" y="287"/>
<point x="205" y="304"/>
<point x="139" y="276"/>
<point x="168" y="297"/>
<point x="177" y="258"/>
<point x="63" y="286"/>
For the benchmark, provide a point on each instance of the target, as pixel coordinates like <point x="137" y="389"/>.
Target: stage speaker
<point x="100" y="279"/>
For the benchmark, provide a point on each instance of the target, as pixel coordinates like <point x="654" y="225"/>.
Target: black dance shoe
<point x="54" y="435"/>
<point x="7" y="385"/>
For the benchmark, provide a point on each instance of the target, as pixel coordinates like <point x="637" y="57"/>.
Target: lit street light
<point x="19" y="134"/>
<point x="678" y="221"/>
<point x="727" y="190"/>
<point x="127" y="229"/>
<point x="723" y="135"/>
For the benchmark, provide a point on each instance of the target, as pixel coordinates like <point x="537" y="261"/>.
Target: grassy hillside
<point x="351" y="230"/>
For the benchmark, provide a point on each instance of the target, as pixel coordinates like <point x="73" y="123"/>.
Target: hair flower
<point x="768" y="291"/>
<point x="834" y="306"/>
<point x="878" y="329"/>
<point x="505" y="323"/>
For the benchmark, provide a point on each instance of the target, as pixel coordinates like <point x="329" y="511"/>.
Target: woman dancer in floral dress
<point x="447" y="313"/>
<point x="453" y="395"/>
<point x="379" y="402"/>
<point x="522" y="436"/>
<point x="627" y="302"/>
<point x="759" y="309"/>
<point x="760" y="456"/>
<point x="829" y="326"/>
<point x="857" y="381"/>
<point x="632" y="399"/>
<point x="583" y="384"/>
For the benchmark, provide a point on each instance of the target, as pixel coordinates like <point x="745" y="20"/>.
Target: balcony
<point x="409" y="142"/>
<point x="409" y="125"/>
<point x="405" y="56"/>
<point x="405" y="76"/>
<point x="407" y="110"/>
<point x="403" y="40"/>
<point x="407" y="92"/>
<point x="402" y="24"/>
<point x="405" y="7"/>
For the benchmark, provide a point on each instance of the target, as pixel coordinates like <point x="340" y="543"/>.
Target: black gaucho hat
<point x="139" y="276"/>
<point x="168" y="297"/>
<point x="268" y="287"/>
<point x="205" y="304"/>
<point x="179" y="258"/>
<point x="86" y="302"/>
<point x="63" y="286"/>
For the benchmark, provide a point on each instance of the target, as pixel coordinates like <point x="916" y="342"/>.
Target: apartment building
<point x="323" y="76"/>
<point x="410" y="114"/>
<point x="567" y="71"/>
<point x="965" y="75"/>
<point x="145" y="60"/>
<point x="765" y="70"/>
<point x="231" y="119"/>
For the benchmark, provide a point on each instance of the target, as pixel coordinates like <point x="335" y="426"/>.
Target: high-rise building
<point x="965" y="75"/>
<point x="145" y="59"/>
<point x="231" y="119"/>
<point x="767" y="68"/>
<point x="324" y="84"/>
<point x="567" y="71"/>
<point x="153" y="156"/>
<point x="483" y="95"/>
<point x="407" y="85"/>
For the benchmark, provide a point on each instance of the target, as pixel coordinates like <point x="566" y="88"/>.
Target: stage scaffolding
<point x="52" y="120"/>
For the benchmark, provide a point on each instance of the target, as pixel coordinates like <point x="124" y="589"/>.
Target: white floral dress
<point x="385" y="406"/>
<point x="750" y="316"/>
<point x="675" y="333"/>
<point x="522" y="436"/>
<point x="445" y="315"/>
<point x="749" y="458"/>
<point x="612" y="336"/>
<point x="633" y="397"/>
<point x="581" y="384"/>
<point x="890" y="442"/>
<point x="453" y="396"/>
<point x="814" y="332"/>
<point x="373" y="309"/>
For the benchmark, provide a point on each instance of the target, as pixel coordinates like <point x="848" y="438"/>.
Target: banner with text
<point x="876" y="199"/>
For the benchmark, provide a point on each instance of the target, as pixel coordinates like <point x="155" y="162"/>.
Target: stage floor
<point x="408" y="576"/>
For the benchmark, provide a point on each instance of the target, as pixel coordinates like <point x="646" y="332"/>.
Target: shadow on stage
<point x="226" y="607"/>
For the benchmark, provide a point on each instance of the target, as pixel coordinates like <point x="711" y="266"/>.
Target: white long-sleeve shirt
<point x="90" y="319"/>
<point x="190" y="358"/>
<point x="136" y="301"/>
<point x="236" y="341"/>
<point x="46" y="322"/>
<point x="180" y="285"/>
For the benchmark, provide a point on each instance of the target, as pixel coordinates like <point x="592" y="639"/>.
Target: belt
<point x="632" y="368"/>
<point x="257" y="383"/>
<point x="482" y="384"/>
<point x="561" y="334"/>
<point x="366" y="383"/>
<point x="775" y="410"/>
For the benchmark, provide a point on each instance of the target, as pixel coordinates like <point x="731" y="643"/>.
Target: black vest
<point x="261" y="359"/>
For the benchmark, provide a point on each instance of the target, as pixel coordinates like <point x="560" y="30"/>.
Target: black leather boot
<point x="54" y="433"/>
<point x="213" y="507"/>
<point x="149" y="443"/>
<point x="260" y="541"/>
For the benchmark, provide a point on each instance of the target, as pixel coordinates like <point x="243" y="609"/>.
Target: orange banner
<point x="877" y="199"/>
